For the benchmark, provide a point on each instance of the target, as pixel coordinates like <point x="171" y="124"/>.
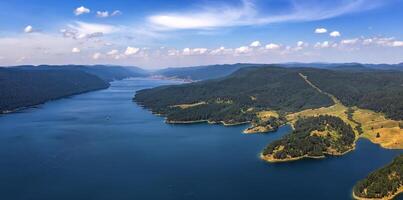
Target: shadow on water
<point x="100" y="145"/>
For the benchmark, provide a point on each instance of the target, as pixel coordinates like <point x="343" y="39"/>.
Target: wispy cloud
<point x="89" y="28"/>
<point x="248" y="14"/>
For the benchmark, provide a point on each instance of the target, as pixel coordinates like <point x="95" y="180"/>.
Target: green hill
<point x="382" y="183"/>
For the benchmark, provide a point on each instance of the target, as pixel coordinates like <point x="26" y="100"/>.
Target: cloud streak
<point x="247" y="14"/>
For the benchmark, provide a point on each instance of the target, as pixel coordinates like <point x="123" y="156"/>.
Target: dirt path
<point x="335" y="100"/>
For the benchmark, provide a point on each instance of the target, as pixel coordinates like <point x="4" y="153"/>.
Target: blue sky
<point x="157" y="33"/>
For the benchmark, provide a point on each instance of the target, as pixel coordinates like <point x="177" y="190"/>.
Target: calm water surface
<point x="100" y="145"/>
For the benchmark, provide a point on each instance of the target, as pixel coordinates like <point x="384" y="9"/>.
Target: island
<point x="384" y="183"/>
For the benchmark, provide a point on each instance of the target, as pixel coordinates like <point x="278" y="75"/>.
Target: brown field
<point x="265" y="115"/>
<point x="337" y="110"/>
<point x="390" y="133"/>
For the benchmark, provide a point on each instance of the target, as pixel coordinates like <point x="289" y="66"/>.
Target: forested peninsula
<point x="328" y="109"/>
<point x="384" y="183"/>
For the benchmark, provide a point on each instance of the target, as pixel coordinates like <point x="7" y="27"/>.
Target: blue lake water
<point x="100" y="145"/>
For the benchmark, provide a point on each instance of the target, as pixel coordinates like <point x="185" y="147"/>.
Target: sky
<point x="175" y="33"/>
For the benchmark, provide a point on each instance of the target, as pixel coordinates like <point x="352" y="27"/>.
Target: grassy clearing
<point x="337" y="110"/>
<point x="376" y="127"/>
<point x="261" y="126"/>
<point x="265" y="115"/>
<point x="380" y="130"/>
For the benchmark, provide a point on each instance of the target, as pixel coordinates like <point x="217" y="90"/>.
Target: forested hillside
<point x="380" y="91"/>
<point x="23" y="86"/>
<point x="383" y="183"/>
<point x="312" y="137"/>
<point x="236" y="98"/>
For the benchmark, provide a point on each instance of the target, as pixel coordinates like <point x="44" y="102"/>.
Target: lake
<point x="101" y="145"/>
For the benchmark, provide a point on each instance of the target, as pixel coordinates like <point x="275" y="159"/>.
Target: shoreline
<point x="270" y="158"/>
<point x="203" y="121"/>
<point x="391" y="196"/>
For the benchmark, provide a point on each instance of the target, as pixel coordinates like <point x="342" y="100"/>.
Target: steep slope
<point x="23" y="88"/>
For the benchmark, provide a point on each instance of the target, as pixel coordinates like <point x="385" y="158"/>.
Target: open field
<point x="337" y="110"/>
<point x="265" y="115"/>
<point x="390" y="132"/>
<point x="376" y="127"/>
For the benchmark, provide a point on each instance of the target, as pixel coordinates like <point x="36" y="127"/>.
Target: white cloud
<point x="199" y="51"/>
<point x="349" y="41"/>
<point x="83" y="30"/>
<point x="255" y="44"/>
<point x="116" y="13"/>
<point x="131" y="51"/>
<point x="243" y="49"/>
<point x="300" y="46"/>
<point x="186" y="51"/>
<point x="195" y="51"/>
<point x="89" y="28"/>
<point x="325" y="44"/>
<point x="21" y="59"/>
<point x="102" y="14"/>
<point x="96" y="56"/>
<point x="105" y="14"/>
<point x="28" y="29"/>
<point x="247" y="14"/>
<point x="75" y="50"/>
<point x="272" y="46"/>
<point x="81" y="10"/>
<point x="221" y="51"/>
<point x="335" y="34"/>
<point x="320" y="30"/>
<point x="367" y="41"/>
<point x="397" y="44"/>
<point x="112" y="52"/>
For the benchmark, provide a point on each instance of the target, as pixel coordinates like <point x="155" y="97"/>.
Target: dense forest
<point x="383" y="182"/>
<point x="230" y="99"/>
<point x="315" y="137"/>
<point x="380" y="91"/>
<point x="24" y="86"/>
<point x="277" y="88"/>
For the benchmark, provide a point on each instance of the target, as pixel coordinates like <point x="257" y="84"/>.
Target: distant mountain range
<point x="105" y="72"/>
<point x="203" y="72"/>
<point x="198" y="73"/>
